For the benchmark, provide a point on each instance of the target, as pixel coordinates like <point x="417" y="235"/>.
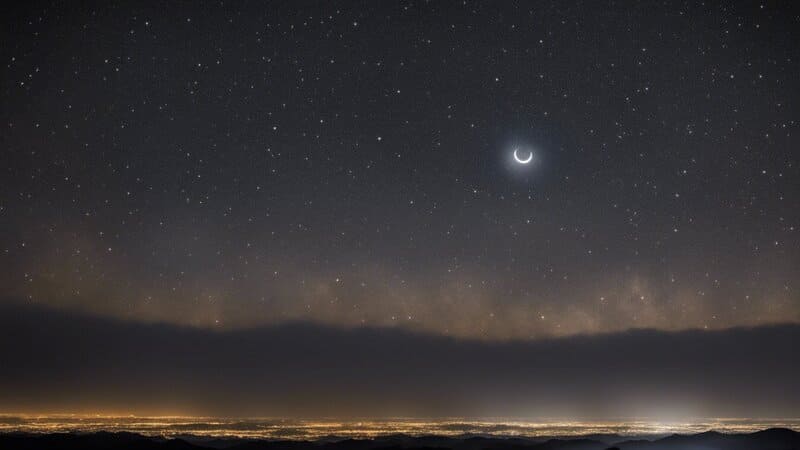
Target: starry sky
<point x="230" y="165"/>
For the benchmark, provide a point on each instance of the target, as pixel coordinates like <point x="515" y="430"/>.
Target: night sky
<point x="231" y="165"/>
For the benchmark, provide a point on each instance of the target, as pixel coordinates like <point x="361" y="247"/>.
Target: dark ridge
<point x="770" y="439"/>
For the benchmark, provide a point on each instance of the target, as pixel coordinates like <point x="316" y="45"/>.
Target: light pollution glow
<point x="262" y="428"/>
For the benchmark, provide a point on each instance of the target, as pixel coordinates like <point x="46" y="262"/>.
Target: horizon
<point x="324" y="429"/>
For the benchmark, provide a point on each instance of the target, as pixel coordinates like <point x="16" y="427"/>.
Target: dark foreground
<point x="771" y="439"/>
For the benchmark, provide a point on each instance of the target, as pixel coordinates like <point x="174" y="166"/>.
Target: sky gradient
<point x="230" y="166"/>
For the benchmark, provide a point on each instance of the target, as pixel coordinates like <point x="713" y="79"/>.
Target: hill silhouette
<point x="771" y="439"/>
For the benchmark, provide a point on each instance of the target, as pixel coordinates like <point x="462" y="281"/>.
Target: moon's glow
<point x="522" y="161"/>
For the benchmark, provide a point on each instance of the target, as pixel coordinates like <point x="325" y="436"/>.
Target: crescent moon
<point x="522" y="161"/>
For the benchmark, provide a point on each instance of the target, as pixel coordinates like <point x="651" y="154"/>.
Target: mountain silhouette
<point x="770" y="439"/>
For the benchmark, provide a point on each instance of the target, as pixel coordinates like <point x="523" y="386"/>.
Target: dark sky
<point x="229" y="165"/>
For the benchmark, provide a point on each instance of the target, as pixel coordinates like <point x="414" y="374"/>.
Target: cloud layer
<point x="58" y="361"/>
